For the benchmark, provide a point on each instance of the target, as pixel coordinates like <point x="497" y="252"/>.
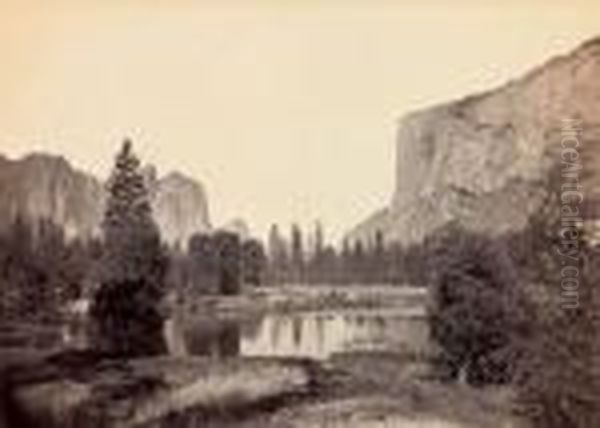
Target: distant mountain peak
<point x="45" y="186"/>
<point x="186" y="202"/>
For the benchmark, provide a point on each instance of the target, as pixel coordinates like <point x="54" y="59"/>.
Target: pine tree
<point x="319" y="238"/>
<point x="278" y="256"/>
<point x="345" y="263"/>
<point x="253" y="262"/>
<point x="229" y="262"/>
<point x="378" y="269"/>
<point x="133" y="267"/>
<point x="297" y="255"/>
<point x="316" y="269"/>
<point x="19" y="277"/>
<point x="357" y="260"/>
<point x="202" y="252"/>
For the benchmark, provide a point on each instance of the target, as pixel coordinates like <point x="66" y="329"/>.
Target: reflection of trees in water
<point x="275" y="332"/>
<point x="320" y="334"/>
<point x="251" y="328"/>
<point x="229" y="340"/>
<point x="219" y="338"/>
<point x="320" y="324"/>
<point x="360" y="320"/>
<point x="380" y="321"/>
<point x="297" y="330"/>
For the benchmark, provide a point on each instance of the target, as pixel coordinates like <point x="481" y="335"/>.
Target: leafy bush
<point x="475" y="306"/>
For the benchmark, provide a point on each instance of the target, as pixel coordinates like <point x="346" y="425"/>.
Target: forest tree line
<point x="42" y="270"/>
<point x="310" y="260"/>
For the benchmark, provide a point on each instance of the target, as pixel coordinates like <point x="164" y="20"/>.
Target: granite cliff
<point x="42" y="186"/>
<point x="180" y="207"/>
<point x="482" y="160"/>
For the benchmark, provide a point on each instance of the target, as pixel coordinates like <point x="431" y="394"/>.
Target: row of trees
<point x="41" y="271"/>
<point x="217" y="263"/>
<point x="377" y="262"/>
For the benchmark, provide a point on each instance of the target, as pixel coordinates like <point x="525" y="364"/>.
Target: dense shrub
<point x="475" y="306"/>
<point x="229" y="262"/>
<point x="558" y="380"/>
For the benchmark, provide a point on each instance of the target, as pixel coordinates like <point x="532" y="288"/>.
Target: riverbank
<point x="388" y="390"/>
<point x="383" y="391"/>
<point x="76" y="389"/>
<point x="287" y="298"/>
<point x="356" y="390"/>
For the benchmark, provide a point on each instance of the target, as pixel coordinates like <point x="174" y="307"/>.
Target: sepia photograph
<point x="299" y="214"/>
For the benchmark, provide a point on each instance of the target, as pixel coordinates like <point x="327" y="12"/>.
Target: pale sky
<point x="284" y="110"/>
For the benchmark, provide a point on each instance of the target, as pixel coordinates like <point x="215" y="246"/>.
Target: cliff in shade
<point x="41" y="186"/>
<point x="482" y="160"/>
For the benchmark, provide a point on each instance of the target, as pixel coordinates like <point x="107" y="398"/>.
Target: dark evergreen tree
<point x="329" y="266"/>
<point x="253" y="262"/>
<point x="278" y="257"/>
<point x="397" y="264"/>
<point x="229" y="262"/>
<point x="319" y="240"/>
<point x="62" y="272"/>
<point x="202" y="251"/>
<point x="345" y="264"/>
<point x="178" y="278"/>
<point x="19" y="274"/>
<point x="125" y="309"/>
<point x="378" y="263"/>
<point x="357" y="269"/>
<point x="297" y="256"/>
<point x="40" y="272"/>
<point x="316" y="269"/>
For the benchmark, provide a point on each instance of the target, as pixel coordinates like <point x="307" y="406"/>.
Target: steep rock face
<point x="482" y="160"/>
<point x="180" y="208"/>
<point x="41" y="186"/>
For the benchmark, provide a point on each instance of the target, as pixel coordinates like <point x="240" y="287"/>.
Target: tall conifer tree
<point x="126" y="306"/>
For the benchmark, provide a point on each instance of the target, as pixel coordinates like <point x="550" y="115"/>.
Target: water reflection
<point x="215" y="338"/>
<point x="297" y="331"/>
<point x="303" y="334"/>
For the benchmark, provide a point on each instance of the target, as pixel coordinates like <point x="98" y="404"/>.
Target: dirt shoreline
<point x="68" y="389"/>
<point x="360" y="391"/>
